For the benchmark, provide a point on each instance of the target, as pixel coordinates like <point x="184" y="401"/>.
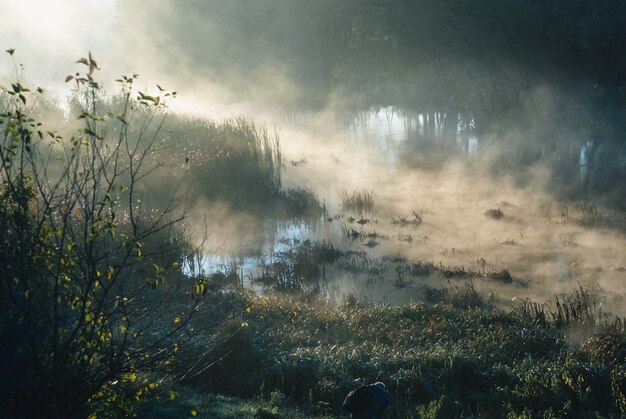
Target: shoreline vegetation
<point x="451" y="355"/>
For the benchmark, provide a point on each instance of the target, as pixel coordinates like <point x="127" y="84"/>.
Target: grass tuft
<point x="358" y="202"/>
<point x="494" y="213"/>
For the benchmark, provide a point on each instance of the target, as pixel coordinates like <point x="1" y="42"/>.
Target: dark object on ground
<point x="367" y="401"/>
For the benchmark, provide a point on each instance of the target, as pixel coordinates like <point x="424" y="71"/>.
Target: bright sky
<point x="49" y="36"/>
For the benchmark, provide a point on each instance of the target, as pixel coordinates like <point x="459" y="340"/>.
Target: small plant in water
<point x="405" y="238"/>
<point x="503" y="275"/>
<point x="588" y="214"/>
<point x="358" y="202"/>
<point x="495" y="213"/>
<point x="568" y="241"/>
<point x="418" y="218"/>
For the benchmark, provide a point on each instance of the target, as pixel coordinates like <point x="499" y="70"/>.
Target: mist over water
<point x="339" y="134"/>
<point x="538" y="239"/>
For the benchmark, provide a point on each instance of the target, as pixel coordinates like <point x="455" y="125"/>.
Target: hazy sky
<point x="125" y="37"/>
<point x="49" y="36"/>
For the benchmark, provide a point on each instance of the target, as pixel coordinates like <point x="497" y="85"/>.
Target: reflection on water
<point x="472" y="145"/>
<point x="585" y="161"/>
<point x="277" y="236"/>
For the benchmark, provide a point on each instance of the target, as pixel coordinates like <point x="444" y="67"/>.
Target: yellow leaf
<point x="27" y="294"/>
<point x="193" y="413"/>
<point x="248" y="309"/>
<point x="172" y="395"/>
<point x="177" y="319"/>
<point x="132" y="377"/>
<point x="199" y="289"/>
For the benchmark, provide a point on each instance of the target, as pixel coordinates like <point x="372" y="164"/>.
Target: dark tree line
<point x="553" y="69"/>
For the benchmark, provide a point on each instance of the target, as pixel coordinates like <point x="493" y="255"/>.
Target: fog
<point x="534" y="239"/>
<point x="353" y="118"/>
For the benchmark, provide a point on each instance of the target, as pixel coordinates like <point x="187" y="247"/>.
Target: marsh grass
<point x="369" y="239"/>
<point x="462" y="296"/>
<point x="451" y="356"/>
<point x="298" y="203"/>
<point x="423" y="268"/>
<point x="494" y="213"/>
<point x="358" y="202"/>
<point x="418" y="218"/>
<point x="427" y="268"/>
<point x="502" y="275"/>
<point x="580" y="309"/>
<point x="234" y="161"/>
<point x="608" y="347"/>
<point x="587" y="214"/>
